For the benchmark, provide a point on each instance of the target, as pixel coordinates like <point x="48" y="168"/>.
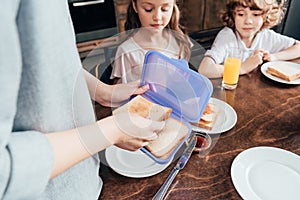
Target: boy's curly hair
<point x="273" y="11"/>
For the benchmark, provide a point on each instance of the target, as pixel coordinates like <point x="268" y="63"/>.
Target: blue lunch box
<point x="173" y="84"/>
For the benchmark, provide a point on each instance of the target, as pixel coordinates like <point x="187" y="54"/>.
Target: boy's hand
<point x="252" y="61"/>
<point x="269" y="57"/>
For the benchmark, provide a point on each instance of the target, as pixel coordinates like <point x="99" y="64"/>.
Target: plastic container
<point x="204" y="142"/>
<point x="172" y="83"/>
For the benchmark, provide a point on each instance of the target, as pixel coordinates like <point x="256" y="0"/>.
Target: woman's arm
<point x="112" y="95"/>
<point x="72" y="146"/>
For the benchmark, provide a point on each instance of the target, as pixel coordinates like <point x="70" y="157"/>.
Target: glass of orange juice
<point x="232" y="67"/>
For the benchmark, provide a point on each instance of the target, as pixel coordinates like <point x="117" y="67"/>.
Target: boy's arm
<point x="290" y="53"/>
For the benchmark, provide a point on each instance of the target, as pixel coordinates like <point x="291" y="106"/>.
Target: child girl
<point x="247" y="28"/>
<point x="156" y="27"/>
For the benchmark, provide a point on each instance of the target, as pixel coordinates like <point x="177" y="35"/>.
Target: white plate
<point x="266" y="173"/>
<point x="226" y="119"/>
<point x="265" y="66"/>
<point x="132" y="164"/>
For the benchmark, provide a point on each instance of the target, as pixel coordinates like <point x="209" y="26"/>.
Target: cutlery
<point x="180" y="165"/>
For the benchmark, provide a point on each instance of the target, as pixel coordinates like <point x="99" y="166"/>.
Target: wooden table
<point x="268" y="115"/>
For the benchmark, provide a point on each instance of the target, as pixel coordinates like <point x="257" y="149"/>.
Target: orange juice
<point x="231" y="71"/>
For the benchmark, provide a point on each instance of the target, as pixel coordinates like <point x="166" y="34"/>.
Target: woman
<point x="48" y="134"/>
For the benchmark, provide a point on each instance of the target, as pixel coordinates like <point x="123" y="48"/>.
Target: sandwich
<point x="209" y="117"/>
<point x="145" y="108"/>
<point x="285" y="72"/>
<point x="169" y="137"/>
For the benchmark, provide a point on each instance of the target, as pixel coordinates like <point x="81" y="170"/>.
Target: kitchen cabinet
<point x="196" y="15"/>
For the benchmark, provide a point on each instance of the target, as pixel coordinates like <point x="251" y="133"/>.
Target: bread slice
<point x="285" y="72"/>
<point x="209" y="117"/>
<point x="172" y="134"/>
<point x="145" y="108"/>
<point x="168" y="139"/>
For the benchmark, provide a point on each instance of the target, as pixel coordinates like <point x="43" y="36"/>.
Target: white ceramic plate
<point x="226" y="118"/>
<point x="265" y="66"/>
<point x="266" y="173"/>
<point x="132" y="164"/>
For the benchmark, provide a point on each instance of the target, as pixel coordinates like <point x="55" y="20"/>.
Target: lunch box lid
<point x="173" y="84"/>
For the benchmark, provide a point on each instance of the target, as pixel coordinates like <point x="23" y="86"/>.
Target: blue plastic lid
<point x="173" y="84"/>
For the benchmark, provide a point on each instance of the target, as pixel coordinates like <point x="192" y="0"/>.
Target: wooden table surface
<point x="268" y="115"/>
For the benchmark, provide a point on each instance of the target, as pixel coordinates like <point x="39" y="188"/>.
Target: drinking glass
<point x="232" y="67"/>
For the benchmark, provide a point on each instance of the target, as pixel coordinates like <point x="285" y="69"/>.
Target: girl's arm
<point x="210" y="69"/>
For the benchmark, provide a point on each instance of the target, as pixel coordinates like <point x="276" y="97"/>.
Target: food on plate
<point x="145" y="108"/>
<point x="285" y="72"/>
<point x="209" y="117"/>
<point x="169" y="137"/>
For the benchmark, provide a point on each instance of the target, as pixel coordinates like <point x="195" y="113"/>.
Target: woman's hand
<point x="122" y="92"/>
<point x="129" y="131"/>
<point x="116" y="95"/>
<point x="112" y="95"/>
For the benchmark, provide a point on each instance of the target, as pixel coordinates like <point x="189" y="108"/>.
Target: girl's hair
<point x="273" y="12"/>
<point x="133" y="22"/>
